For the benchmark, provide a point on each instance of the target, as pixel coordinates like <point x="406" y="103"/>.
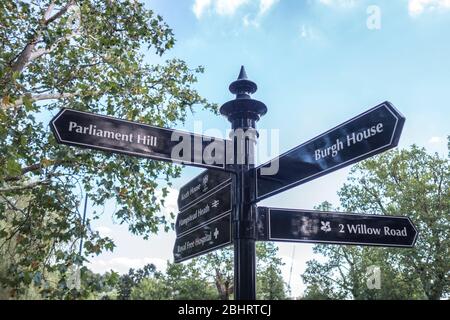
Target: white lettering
<point x="329" y="151"/>
<point x="72" y="125"/>
<point x="395" y="232"/>
<point x="182" y="151"/>
<point x="364" y="135"/>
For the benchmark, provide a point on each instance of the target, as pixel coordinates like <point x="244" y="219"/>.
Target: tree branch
<point x="58" y="14"/>
<point x="40" y="165"/>
<point x="49" y="10"/>
<point x="40" y="97"/>
<point x="31" y="185"/>
<point x="40" y="52"/>
<point x="376" y="198"/>
<point x="23" y="58"/>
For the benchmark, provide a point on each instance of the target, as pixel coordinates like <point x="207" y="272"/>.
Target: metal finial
<point x="243" y="87"/>
<point x="243" y="107"/>
<point x="242" y="74"/>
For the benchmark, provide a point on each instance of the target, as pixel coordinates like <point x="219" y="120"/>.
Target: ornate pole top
<point x="243" y="107"/>
<point x="243" y="87"/>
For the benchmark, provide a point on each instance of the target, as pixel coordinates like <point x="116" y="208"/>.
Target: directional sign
<point x="206" y="238"/>
<point x="370" y="133"/>
<point x="205" y="210"/>
<point x="201" y="186"/>
<point x="95" y="131"/>
<point x="335" y="228"/>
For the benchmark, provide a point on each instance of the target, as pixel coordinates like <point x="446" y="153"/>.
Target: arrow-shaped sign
<point x="366" y="135"/>
<point x="335" y="228"/>
<point x="204" y="210"/>
<point x="201" y="186"/>
<point x="95" y="131"/>
<point x="211" y="236"/>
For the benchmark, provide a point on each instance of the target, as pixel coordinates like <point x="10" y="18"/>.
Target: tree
<point x="219" y="266"/>
<point x="99" y="286"/>
<point x="188" y="282"/>
<point x="211" y="277"/>
<point x="151" y="289"/>
<point x="270" y="283"/>
<point x="134" y="277"/>
<point x="85" y="55"/>
<point x="407" y="182"/>
<point x="179" y="282"/>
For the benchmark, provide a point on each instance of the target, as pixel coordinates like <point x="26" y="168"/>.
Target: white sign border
<point x="258" y="198"/>
<point x="340" y="242"/>
<point x="62" y="111"/>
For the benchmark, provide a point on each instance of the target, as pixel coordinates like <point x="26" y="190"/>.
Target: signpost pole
<point x="243" y="113"/>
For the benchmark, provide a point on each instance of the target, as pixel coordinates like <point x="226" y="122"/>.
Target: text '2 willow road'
<point x="295" y="225"/>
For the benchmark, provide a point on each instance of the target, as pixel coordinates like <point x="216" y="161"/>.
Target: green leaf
<point x="13" y="168"/>
<point x="28" y="102"/>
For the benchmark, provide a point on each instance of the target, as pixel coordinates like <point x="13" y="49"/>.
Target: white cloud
<point x="123" y="264"/>
<point x="417" y="7"/>
<point x="247" y="21"/>
<point x="265" y="5"/>
<point x="339" y="3"/>
<point x="255" y="8"/>
<point x="200" y="6"/>
<point x="436" y="140"/>
<point x="220" y="7"/>
<point x="228" y="7"/>
<point x="438" y="144"/>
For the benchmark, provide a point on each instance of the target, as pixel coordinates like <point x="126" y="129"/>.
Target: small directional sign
<point x="335" y="228"/>
<point x="366" y="135"/>
<point x="214" y="235"/>
<point x="95" y="131"/>
<point x="201" y="186"/>
<point x="205" y="210"/>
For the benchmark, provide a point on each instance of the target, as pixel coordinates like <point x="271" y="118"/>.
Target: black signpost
<point x="89" y="130"/>
<point x="366" y="135"/>
<point x="314" y="226"/>
<point x="218" y="207"/>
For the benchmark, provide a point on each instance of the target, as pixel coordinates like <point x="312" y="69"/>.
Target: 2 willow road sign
<point x="335" y="228"/>
<point x="366" y="135"/>
<point x="95" y="131"/>
<point x="204" y="221"/>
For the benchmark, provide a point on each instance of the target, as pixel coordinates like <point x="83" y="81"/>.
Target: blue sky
<point x="317" y="63"/>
